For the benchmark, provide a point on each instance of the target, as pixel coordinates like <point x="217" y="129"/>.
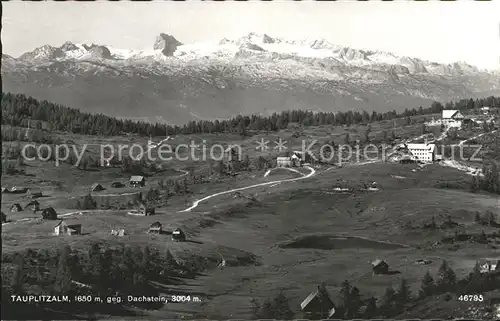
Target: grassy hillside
<point x="271" y="235"/>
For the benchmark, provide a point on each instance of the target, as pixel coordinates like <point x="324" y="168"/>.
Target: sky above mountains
<point x="438" y="31"/>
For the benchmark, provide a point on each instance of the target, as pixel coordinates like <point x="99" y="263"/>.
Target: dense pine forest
<point x="17" y="109"/>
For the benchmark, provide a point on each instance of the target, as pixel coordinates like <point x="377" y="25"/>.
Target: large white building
<point x="452" y="118"/>
<point x="423" y="152"/>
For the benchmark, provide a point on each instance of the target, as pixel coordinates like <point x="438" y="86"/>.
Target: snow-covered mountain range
<point x="252" y="74"/>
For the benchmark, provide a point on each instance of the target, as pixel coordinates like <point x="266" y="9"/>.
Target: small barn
<point x="117" y="185"/>
<point x="137" y="181"/>
<point x="96" y="187"/>
<point x="145" y="210"/>
<point x="317" y="306"/>
<point x="16" y="208"/>
<point x="380" y="267"/>
<point x="49" y="213"/>
<point x="64" y="228"/>
<point x="33" y="206"/>
<point x="34" y="192"/>
<point x="284" y="162"/>
<point x="155" y="228"/>
<point x="178" y="235"/>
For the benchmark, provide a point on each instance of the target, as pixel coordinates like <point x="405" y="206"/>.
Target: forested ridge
<point x="17" y="109"/>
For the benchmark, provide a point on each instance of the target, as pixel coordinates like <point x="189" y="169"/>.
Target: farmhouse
<point x="16" y="208"/>
<point x="33" y="206"/>
<point x="316" y="306"/>
<point x="49" y="214"/>
<point x="67" y="229"/>
<point x="380" y="267"/>
<point x="452" y="118"/>
<point x="178" y="235"/>
<point x="34" y="192"/>
<point x="96" y="187"/>
<point x="137" y="181"/>
<point x="155" y="228"/>
<point x="423" y="152"/>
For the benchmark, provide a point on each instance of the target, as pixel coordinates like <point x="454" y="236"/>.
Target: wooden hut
<point x="33" y="206"/>
<point x="49" y="214"/>
<point x="178" y="235"/>
<point x="155" y="228"/>
<point x="380" y="267"/>
<point x="16" y="208"/>
<point x="64" y="228"/>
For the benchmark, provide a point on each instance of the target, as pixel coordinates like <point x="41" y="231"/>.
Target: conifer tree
<point x="427" y="287"/>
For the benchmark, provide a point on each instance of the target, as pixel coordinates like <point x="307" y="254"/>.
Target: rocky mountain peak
<point x="100" y="52"/>
<point x="167" y="44"/>
<point x="68" y="46"/>
<point x="42" y="53"/>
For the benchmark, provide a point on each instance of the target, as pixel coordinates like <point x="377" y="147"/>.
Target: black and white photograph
<point x="248" y="160"/>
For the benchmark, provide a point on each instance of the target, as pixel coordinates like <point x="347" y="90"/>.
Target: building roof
<point x="311" y="297"/>
<point x="377" y="262"/>
<point x="74" y="225"/>
<point x="156" y="224"/>
<point x="429" y="147"/>
<point x="95" y="185"/>
<point x="136" y="178"/>
<point x="308" y="300"/>
<point x="17" y="205"/>
<point x="49" y="209"/>
<point x="451" y="113"/>
<point x="177" y="231"/>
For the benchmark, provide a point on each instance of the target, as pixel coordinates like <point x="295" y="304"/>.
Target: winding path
<point x="474" y="137"/>
<point x="197" y="202"/>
